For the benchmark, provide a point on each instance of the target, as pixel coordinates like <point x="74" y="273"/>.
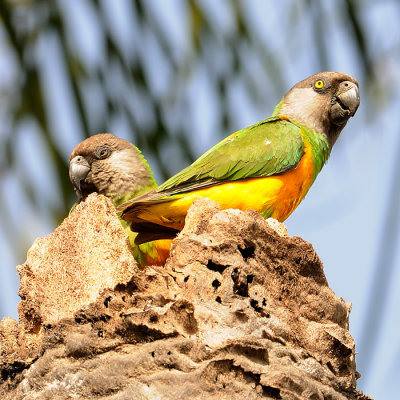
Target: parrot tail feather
<point x="149" y="231"/>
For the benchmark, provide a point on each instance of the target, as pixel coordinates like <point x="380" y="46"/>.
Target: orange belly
<point x="156" y="253"/>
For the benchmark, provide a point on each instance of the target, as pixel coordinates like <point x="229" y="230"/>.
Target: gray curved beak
<point x="78" y="171"/>
<point x="349" y="97"/>
<point x="344" y="103"/>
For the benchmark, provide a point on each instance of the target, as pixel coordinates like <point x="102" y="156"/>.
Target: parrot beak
<point x="78" y="171"/>
<point x="344" y="103"/>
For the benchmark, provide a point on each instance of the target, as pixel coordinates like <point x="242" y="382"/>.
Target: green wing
<point x="270" y="147"/>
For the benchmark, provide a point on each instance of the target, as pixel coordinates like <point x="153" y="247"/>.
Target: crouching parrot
<point x="268" y="167"/>
<point x="115" y="168"/>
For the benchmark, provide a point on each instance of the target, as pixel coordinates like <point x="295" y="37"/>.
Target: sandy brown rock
<point x="17" y="348"/>
<point x="69" y="268"/>
<point x="239" y="311"/>
<point x="64" y="272"/>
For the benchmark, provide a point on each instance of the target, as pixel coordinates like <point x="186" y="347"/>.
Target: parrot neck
<point x="277" y="109"/>
<point x="318" y="142"/>
<point x="320" y="149"/>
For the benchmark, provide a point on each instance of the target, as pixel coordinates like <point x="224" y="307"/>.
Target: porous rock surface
<point x="240" y="310"/>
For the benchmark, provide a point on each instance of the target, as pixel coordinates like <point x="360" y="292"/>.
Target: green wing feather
<point x="270" y="147"/>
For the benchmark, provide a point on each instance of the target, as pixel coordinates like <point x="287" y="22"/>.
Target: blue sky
<point x="344" y="213"/>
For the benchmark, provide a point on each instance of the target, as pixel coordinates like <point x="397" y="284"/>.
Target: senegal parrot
<point x="268" y="167"/>
<point x="115" y="168"/>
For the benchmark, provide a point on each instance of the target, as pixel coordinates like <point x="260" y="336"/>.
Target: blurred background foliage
<point x="172" y="77"/>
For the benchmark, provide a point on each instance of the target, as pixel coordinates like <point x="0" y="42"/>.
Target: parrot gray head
<point x="110" y="166"/>
<point x="323" y="102"/>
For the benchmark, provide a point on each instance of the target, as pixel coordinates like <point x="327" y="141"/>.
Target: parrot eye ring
<point x="103" y="153"/>
<point x="319" y="84"/>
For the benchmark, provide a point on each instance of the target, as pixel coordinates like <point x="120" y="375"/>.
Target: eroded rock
<point x="68" y="269"/>
<point x="240" y="310"/>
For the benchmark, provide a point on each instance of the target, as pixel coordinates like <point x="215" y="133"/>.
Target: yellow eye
<point x="319" y="84"/>
<point x="103" y="153"/>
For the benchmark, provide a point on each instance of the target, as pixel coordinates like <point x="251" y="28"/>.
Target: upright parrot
<point x="115" y="168"/>
<point x="268" y="167"/>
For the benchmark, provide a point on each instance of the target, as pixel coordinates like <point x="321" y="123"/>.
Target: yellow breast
<point x="274" y="196"/>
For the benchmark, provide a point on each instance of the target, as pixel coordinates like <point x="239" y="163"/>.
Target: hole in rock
<point x="330" y="366"/>
<point x="128" y="288"/>
<point x="254" y="304"/>
<point x="104" y="318"/>
<point x="218" y="300"/>
<point x="247" y="252"/>
<point x="107" y="301"/>
<point x="264" y="302"/>
<point x="153" y="318"/>
<point x="216" y="284"/>
<point x="272" y="392"/>
<point x="216" y="267"/>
